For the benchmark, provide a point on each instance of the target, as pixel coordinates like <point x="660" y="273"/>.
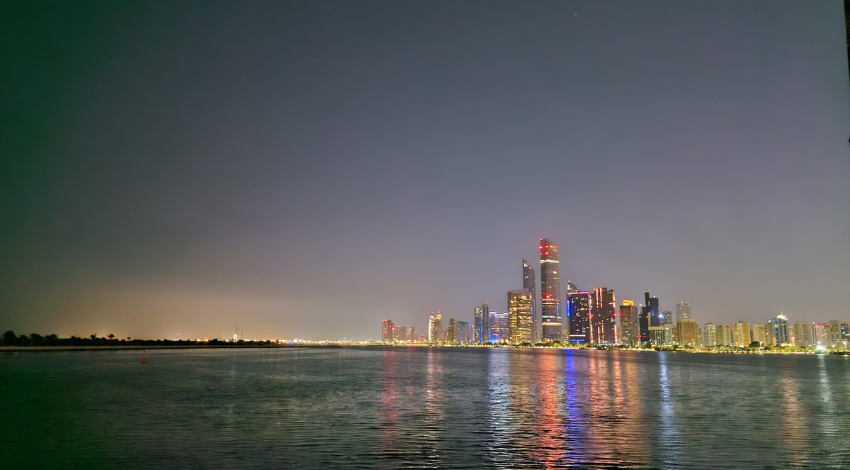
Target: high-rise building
<point x="779" y="330"/>
<point x="578" y="305"/>
<point x="602" y="318"/>
<point x="387" y="331"/>
<point x="520" y="310"/>
<point x="683" y="310"/>
<point x="499" y="327"/>
<point x="741" y="334"/>
<point x="643" y="324"/>
<point x="411" y="334"/>
<point x="822" y="334"/>
<point x="652" y="308"/>
<point x="724" y="335"/>
<point x="835" y="333"/>
<point x="399" y="333"/>
<point x="803" y="334"/>
<point x="464" y="329"/>
<point x="482" y="324"/>
<point x="629" y="324"/>
<point x="435" y="328"/>
<point x="707" y="335"/>
<point x="452" y="331"/>
<point x="687" y="330"/>
<point x="845" y="333"/>
<point x="658" y="336"/>
<point x="550" y="292"/>
<point x="529" y="284"/>
<point x="759" y="333"/>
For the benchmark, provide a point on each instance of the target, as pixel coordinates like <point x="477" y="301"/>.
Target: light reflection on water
<point x="424" y="408"/>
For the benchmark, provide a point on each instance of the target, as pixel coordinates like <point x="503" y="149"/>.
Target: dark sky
<point x="305" y="169"/>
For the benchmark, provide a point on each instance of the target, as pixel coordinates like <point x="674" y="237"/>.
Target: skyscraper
<point x="759" y="333"/>
<point x="435" y="328"/>
<point x="683" y="310"/>
<point x="803" y="334"/>
<point x="452" y="332"/>
<point x="707" y="335"/>
<point x="481" y="324"/>
<point x="499" y="327"/>
<point x="550" y="292"/>
<point x="529" y="284"/>
<point x="653" y="312"/>
<point x="724" y="335"/>
<point x="643" y="324"/>
<point x="387" y="331"/>
<point x="578" y="305"/>
<point x="519" y="317"/>
<point x="779" y="330"/>
<point x="602" y="318"/>
<point x="629" y="324"/>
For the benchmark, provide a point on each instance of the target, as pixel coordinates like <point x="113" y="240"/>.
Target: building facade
<point x="520" y="320"/>
<point x="707" y="335"/>
<point x="629" y="324"/>
<point x="683" y="310"/>
<point x="741" y="334"/>
<point x="603" y="326"/>
<point x="687" y="330"/>
<point x="529" y="284"/>
<point x="578" y="304"/>
<point x="552" y="326"/>
<point x="499" y="327"/>
<point x="481" y="324"/>
<point x="387" y="331"/>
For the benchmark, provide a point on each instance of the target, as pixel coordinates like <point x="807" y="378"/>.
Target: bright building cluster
<point x="580" y="318"/>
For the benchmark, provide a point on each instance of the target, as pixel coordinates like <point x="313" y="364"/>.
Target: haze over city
<point x="305" y="171"/>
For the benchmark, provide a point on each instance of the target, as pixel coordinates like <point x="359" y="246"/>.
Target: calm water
<point x="423" y="408"/>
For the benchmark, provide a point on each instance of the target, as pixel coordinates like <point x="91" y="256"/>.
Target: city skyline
<point x="304" y="171"/>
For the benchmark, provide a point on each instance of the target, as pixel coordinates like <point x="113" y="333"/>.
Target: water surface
<point x="423" y="408"/>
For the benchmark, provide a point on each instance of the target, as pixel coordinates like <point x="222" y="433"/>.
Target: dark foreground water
<point x="423" y="407"/>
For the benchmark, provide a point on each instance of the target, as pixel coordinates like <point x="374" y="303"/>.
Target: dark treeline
<point x="9" y="338"/>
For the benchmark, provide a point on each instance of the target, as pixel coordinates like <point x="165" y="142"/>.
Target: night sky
<point x="306" y="169"/>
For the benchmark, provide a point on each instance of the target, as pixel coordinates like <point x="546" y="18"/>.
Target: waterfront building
<point x="629" y="324"/>
<point x="687" y="332"/>
<point x="741" y="334"/>
<point x="520" y="320"/>
<point x="652" y="310"/>
<point x="482" y="324"/>
<point x="435" y="328"/>
<point x="452" y="331"/>
<point x="399" y="333"/>
<point x="669" y="334"/>
<point x="779" y="330"/>
<point x="683" y="310"/>
<point x="759" y="333"/>
<point x="387" y="331"/>
<point x="602" y="317"/>
<point x="803" y="334"/>
<point x="665" y="317"/>
<point x="724" y="335"/>
<point x="578" y="311"/>
<point x="707" y="335"/>
<point x="643" y="324"/>
<point x="411" y="334"/>
<point x="529" y="284"/>
<point x="499" y="327"/>
<point x="465" y="332"/>
<point x="550" y="292"/>
<point x="835" y="332"/>
<point x="821" y="334"/>
<point x="845" y="332"/>
<point x="657" y="335"/>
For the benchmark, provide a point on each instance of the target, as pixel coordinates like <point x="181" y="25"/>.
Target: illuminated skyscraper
<point x="387" y="331"/>
<point x="452" y="332"/>
<point x="629" y="324"/>
<point x="683" y="310"/>
<point x="602" y="319"/>
<point x="550" y="292"/>
<point x="529" y="283"/>
<point x="519" y="316"/>
<point x="779" y="330"/>
<point x="578" y="305"/>
<point x="835" y="333"/>
<point x="481" y="324"/>
<point x="803" y="334"/>
<point x="499" y="327"/>
<point x="724" y="335"/>
<point x="399" y="333"/>
<point x="435" y="328"/>
<point x="464" y="329"/>
<point x="759" y="333"/>
<point x="643" y="324"/>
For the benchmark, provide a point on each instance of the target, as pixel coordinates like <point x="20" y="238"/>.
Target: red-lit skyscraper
<point x="550" y="292"/>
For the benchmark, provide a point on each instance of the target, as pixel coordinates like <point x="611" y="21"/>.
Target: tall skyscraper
<point x="465" y="332"/>
<point x="550" y="292"/>
<point x="759" y="333"/>
<point x="629" y="324"/>
<point x="435" y="328"/>
<point x="578" y="305"/>
<point x="687" y="330"/>
<point x="481" y="324"/>
<point x="452" y="331"/>
<point x="724" y="335"/>
<point x="779" y="330"/>
<point x="803" y="334"/>
<point x="683" y="310"/>
<point x="602" y="318"/>
<point x="519" y="316"/>
<point x="835" y="333"/>
<point x="643" y="324"/>
<point x="529" y="284"/>
<point x="387" y="331"/>
<point x="653" y="312"/>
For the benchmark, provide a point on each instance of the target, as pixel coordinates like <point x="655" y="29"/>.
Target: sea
<point x="422" y="407"/>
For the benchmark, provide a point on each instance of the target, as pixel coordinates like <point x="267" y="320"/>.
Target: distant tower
<point x="602" y="317"/>
<point x="779" y="331"/>
<point x="529" y="284"/>
<point x="481" y="324"/>
<point x="387" y="331"/>
<point x="683" y="310"/>
<point x="550" y="292"/>
<point x="629" y="324"/>
<point x="578" y="304"/>
<point x="652" y="309"/>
